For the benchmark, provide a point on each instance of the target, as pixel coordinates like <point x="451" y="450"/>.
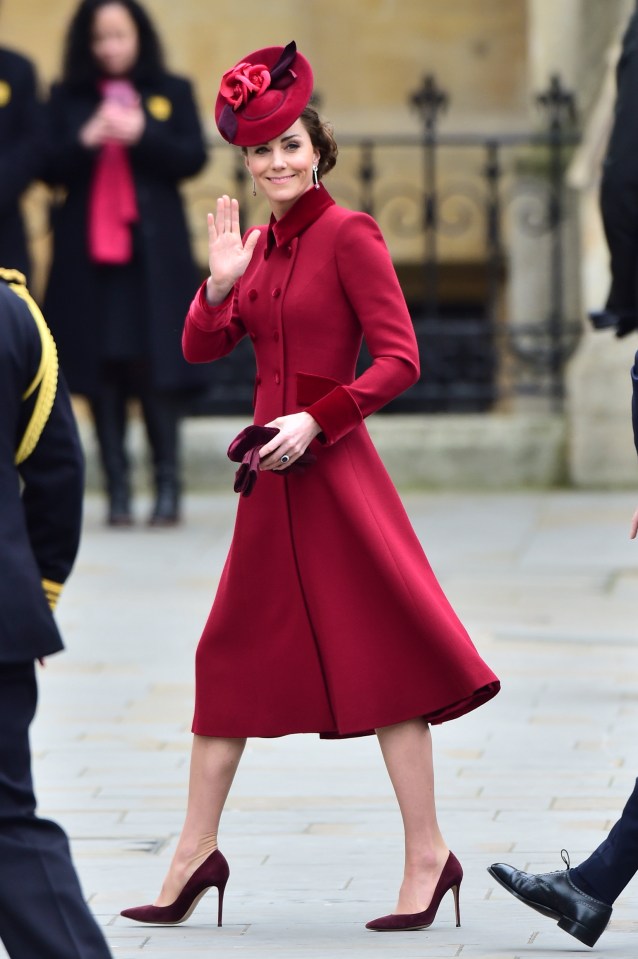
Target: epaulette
<point x="46" y="377"/>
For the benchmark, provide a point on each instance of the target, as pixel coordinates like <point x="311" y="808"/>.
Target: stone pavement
<point x="547" y="583"/>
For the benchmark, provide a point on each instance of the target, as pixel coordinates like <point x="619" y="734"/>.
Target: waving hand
<point x="228" y="256"/>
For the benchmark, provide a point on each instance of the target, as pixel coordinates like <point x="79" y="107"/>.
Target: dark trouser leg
<point x="109" y="407"/>
<point x="619" y="209"/>
<point x="610" y="867"/>
<point x="42" y="910"/>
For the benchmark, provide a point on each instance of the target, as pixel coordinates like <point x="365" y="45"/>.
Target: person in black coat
<point x="123" y="133"/>
<point x="619" y="194"/>
<point x="580" y="898"/>
<point x="42" y="910"/>
<point x="20" y="153"/>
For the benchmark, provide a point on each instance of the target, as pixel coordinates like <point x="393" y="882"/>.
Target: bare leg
<point x="214" y="762"/>
<point x="407" y="751"/>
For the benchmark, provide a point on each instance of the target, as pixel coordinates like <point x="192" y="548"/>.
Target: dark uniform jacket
<point x="634" y="400"/>
<point x="20" y="152"/>
<point x="40" y="498"/>
<point x="171" y="149"/>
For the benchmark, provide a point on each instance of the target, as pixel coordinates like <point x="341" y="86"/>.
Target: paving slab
<point x="547" y="584"/>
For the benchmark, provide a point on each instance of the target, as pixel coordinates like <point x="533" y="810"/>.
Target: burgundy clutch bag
<point x="244" y="450"/>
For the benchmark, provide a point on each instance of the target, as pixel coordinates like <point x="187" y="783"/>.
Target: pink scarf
<point x="112" y="200"/>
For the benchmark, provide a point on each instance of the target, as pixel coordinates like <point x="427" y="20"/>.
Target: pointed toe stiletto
<point x="214" y="871"/>
<point x="450" y="878"/>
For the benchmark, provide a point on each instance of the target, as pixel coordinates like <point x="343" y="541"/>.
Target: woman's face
<point x="282" y="168"/>
<point x="114" y="40"/>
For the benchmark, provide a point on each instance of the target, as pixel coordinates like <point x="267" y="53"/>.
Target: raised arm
<point x="213" y="326"/>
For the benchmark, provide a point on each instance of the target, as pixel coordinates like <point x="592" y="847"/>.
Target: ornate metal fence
<point x="484" y="236"/>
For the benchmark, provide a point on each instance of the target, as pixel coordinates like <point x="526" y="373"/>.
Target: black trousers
<point x="610" y="867"/>
<point x="619" y="210"/>
<point x="119" y="380"/>
<point x="43" y="914"/>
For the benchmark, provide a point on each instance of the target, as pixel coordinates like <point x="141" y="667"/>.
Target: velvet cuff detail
<point x="330" y="404"/>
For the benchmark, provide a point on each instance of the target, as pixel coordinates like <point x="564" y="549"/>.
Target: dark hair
<point x="322" y="139"/>
<point x="79" y="68"/>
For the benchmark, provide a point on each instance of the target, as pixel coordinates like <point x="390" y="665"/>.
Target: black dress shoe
<point x="554" y="894"/>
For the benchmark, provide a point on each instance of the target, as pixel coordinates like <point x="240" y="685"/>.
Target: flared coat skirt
<point x="328" y="617"/>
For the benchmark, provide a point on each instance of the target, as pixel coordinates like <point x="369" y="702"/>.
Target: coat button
<point x="253" y="336"/>
<point x="252" y="294"/>
<point x="276" y="336"/>
<point x="288" y="251"/>
<point x="277" y="379"/>
<point x="276" y="292"/>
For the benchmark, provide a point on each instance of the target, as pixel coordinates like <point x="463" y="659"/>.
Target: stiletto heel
<point x="220" y="900"/>
<point x="457" y="909"/>
<point x="214" y="871"/>
<point x="450" y="878"/>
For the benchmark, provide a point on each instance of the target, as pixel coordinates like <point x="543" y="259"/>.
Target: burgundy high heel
<point x="214" y="871"/>
<point x="450" y="878"/>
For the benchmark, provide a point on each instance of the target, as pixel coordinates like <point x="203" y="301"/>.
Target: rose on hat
<point x="262" y="95"/>
<point x="243" y="81"/>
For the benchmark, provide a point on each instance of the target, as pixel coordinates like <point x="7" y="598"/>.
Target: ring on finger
<point x="285" y="458"/>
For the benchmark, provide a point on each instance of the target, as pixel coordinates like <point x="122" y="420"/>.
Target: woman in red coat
<point x="328" y="617"/>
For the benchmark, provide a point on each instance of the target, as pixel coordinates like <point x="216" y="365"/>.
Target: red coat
<point x="328" y="617"/>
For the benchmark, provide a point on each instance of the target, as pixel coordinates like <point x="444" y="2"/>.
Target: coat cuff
<point x="330" y="404"/>
<point x="52" y="592"/>
<point x="206" y="317"/>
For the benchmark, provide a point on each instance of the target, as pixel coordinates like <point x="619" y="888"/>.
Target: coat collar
<point x="305" y="211"/>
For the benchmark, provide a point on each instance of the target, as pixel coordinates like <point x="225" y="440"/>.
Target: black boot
<point x="160" y="417"/>
<point x="120" y="513"/>
<point x="166" y="511"/>
<point x="109" y="414"/>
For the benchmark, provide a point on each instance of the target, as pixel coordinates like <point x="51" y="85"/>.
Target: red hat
<point x="263" y="95"/>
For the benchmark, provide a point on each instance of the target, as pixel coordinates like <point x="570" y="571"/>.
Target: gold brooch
<point x="159" y="107"/>
<point x="5" y="93"/>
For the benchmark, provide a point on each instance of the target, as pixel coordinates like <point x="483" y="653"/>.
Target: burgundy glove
<point x="244" y="450"/>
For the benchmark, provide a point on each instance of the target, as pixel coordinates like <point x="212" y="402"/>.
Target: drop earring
<point x="315" y="175"/>
<point x="254" y="190"/>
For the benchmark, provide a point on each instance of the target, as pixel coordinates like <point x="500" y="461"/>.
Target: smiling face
<point x="282" y="168"/>
<point x="114" y="40"/>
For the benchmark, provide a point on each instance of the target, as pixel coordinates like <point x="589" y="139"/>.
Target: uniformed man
<point x="43" y="914"/>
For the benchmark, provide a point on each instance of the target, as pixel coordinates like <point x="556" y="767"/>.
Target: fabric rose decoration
<point x="244" y="81"/>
